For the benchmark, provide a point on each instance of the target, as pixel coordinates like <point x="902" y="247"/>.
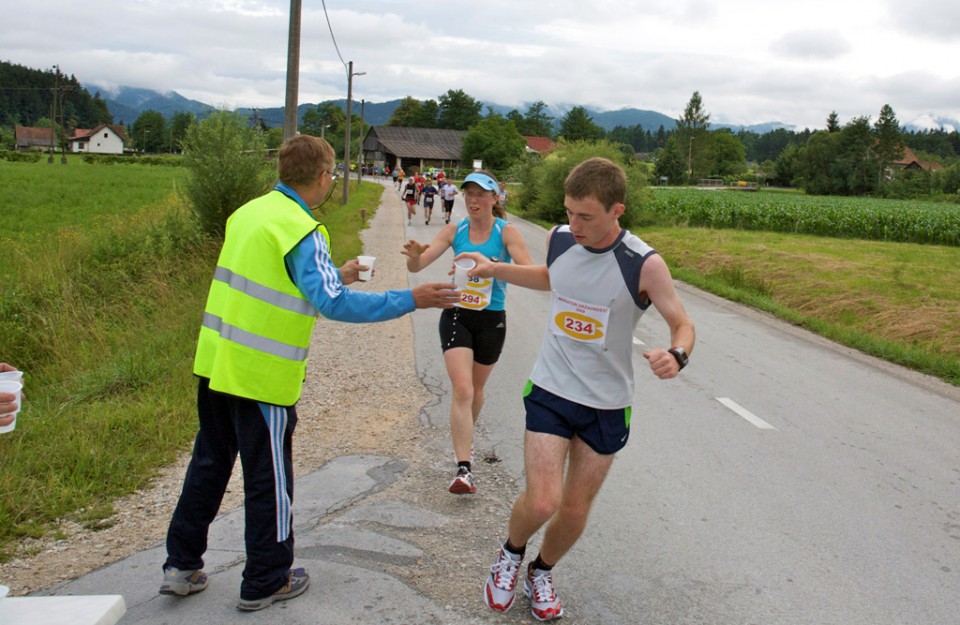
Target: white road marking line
<point x="746" y="414"/>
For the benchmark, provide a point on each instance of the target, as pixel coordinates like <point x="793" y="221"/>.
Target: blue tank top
<point x="493" y="248"/>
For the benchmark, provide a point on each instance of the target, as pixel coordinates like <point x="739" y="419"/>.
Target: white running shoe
<point x="463" y="483"/>
<point x="544" y="603"/>
<point x="501" y="586"/>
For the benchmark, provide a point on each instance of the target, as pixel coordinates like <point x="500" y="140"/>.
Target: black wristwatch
<point x="681" y="355"/>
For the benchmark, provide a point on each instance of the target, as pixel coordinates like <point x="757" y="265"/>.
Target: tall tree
<point x="889" y="146"/>
<point x="818" y="163"/>
<point x="536" y="121"/>
<point x="858" y="162"/>
<point x="150" y="132"/>
<point x="671" y="164"/>
<point x="458" y="111"/>
<point x="405" y="113"/>
<point x="179" y="126"/>
<point x="833" y="122"/>
<point x="691" y="133"/>
<point x="427" y="115"/>
<point x="326" y="118"/>
<point x="517" y="119"/>
<point x="495" y="141"/>
<point x="729" y="154"/>
<point x="577" y="125"/>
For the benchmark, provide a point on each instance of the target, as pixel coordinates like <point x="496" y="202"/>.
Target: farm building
<point x="423" y="148"/>
<point x="104" y="139"/>
<point x="910" y="161"/>
<point x="32" y="138"/>
<point x="413" y="148"/>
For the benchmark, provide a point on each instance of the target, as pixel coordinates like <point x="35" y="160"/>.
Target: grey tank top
<point x="587" y="351"/>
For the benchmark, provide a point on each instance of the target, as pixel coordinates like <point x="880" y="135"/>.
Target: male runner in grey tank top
<point x="578" y="398"/>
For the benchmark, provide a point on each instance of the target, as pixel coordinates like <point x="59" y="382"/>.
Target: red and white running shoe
<point x="501" y="586"/>
<point x="463" y="483"/>
<point x="544" y="604"/>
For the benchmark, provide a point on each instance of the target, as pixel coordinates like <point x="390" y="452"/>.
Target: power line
<point x="335" y="47"/>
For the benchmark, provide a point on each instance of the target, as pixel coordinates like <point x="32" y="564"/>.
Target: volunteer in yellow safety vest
<point x="273" y="276"/>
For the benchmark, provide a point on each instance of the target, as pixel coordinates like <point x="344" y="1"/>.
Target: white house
<point x="103" y="139"/>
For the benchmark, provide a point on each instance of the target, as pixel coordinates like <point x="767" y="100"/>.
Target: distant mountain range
<point x="126" y="104"/>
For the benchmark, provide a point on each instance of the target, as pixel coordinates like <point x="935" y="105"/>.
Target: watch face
<point x="680" y="355"/>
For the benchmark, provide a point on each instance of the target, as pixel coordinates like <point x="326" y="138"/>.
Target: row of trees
<point x="850" y="159"/>
<point x="853" y="159"/>
<point x="29" y="97"/>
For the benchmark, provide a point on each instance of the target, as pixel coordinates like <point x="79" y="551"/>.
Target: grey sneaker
<point x="296" y="585"/>
<point x="182" y="583"/>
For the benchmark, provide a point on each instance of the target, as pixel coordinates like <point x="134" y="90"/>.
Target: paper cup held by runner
<point x="460" y="269"/>
<point x="11" y="386"/>
<point x="368" y="262"/>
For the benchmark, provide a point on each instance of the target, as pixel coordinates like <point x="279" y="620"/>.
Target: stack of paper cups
<point x="11" y="382"/>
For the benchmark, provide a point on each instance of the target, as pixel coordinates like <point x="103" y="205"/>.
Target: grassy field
<point x="100" y="302"/>
<point x="40" y="198"/>
<point x="897" y="301"/>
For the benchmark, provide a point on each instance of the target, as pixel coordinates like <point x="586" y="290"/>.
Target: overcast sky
<point x="752" y="61"/>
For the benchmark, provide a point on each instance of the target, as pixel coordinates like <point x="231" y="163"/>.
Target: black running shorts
<point x="483" y="331"/>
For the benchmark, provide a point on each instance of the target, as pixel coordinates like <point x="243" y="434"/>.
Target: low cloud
<point x="812" y="44"/>
<point x="937" y="19"/>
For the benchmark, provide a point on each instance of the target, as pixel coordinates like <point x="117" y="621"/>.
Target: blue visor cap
<point x="485" y="181"/>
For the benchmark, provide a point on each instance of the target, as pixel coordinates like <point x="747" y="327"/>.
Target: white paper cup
<point x="368" y="262"/>
<point x="10" y="386"/>
<point x="16" y="376"/>
<point x="460" y="269"/>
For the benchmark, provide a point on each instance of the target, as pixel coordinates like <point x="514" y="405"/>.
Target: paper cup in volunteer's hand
<point x="366" y="261"/>
<point x="460" y="269"/>
<point x="11" y="386"/>
<point x="16" y="376"/>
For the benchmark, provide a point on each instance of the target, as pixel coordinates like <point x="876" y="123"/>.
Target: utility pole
<point x="63" y="126"/>
<point x="346" y="143"/>
<point x="293" y="72"/>
<point x="53" y="115"/>
<point x="360" y="146"/>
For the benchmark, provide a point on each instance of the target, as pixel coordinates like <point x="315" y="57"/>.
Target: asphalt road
<point x="780" y="479"/>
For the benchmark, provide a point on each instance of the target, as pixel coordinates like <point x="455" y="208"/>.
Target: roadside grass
<point x="102" y="315"/>
<point x="101" y="320"/>
<point x="896" y="301"/>
<point x="344" y="221"/>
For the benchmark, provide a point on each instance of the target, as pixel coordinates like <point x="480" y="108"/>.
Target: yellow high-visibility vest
<point x="257" y="324"/>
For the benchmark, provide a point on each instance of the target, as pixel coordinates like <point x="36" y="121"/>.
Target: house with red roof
<point x="104" y="139"/>
<point x="910" y="161"/>
<point x="539" y="145"/>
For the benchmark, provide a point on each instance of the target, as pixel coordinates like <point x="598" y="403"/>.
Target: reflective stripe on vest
<point x="263" y="293"/>
<point x="253" y="341"/>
